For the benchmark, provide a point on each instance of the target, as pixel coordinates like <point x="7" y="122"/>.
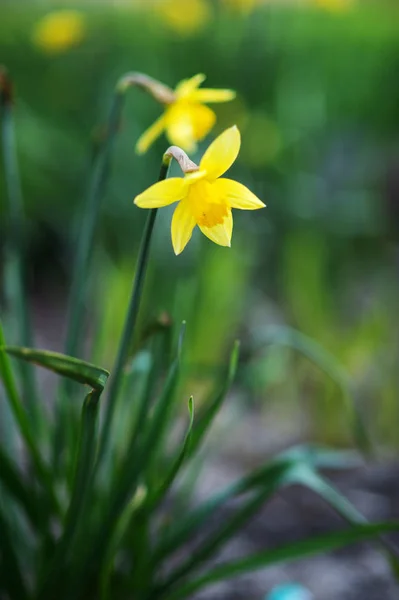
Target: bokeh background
<point x="310" y="285"/>
<point x="318" y="107"/>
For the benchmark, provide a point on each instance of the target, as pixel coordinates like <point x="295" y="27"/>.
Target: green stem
<point x="16" y="276"/>
<point x="131" y="319"/>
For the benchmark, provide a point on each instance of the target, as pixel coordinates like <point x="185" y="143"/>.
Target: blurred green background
<point x="318" y="109"/>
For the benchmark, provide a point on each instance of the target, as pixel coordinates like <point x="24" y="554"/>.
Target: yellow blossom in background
<point x="334" y="5"/>
<point x="186" y="120"/>
<point x="243" y="6"/>
<point x="204" y="197"/>
<point x="183" y="17"/>
<point x="59" y="30"/>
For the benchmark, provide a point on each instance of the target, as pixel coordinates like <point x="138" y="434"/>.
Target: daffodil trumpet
<point x="204" y="197"/>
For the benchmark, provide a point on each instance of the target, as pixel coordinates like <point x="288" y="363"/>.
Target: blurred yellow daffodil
<point x="186" y="119"/>
<point x="59" y="30"/>
<point x="243" y="6"/>
<point x="334" y="5"/>
<point x="205" y="198"/>
<point x="182" y="17"/>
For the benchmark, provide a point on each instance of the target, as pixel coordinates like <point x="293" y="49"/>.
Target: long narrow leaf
<point x="15" y="282"/>
<point x="178" y="462"/>
<point x="25" y="426"/>
<point x="85" y="460"/>
<point x="288" y="552"/>
<point x="284" y="467"/>
<point x="12" y="480"/>
<point x="205" y="418"/>
<point x="73" y="368"/>
<point x="292" y="338"/>
<point x="12" y="581"/>
<point x="312" y="480"/>
<point x="135" y="463"/>
<point x="222" y="535"/>
<point x="194" y="521"/>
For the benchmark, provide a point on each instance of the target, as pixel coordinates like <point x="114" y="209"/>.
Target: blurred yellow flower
<point x="334" y="5"/>
<point x="205" y="199"/>
<point x="59" y="30"/>
<point x="243" y="6"/>
<point x="186" y="119"/>
<point x="185" y="18"/>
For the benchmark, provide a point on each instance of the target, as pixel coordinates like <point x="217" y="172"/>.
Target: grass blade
<point x="196" y="518"/>
<point x="312" y="480"/>
<point x="16" y="279"/>
<point x="205" y="418"/>
<point x="292" y="338"/>
<point x="177" y="463"/>
<point x="12" y="481"/>
<point x="11" y="578"/>
<point x="84" y="469"/>
<point x="67" y="366"/>
<point x="288" y="552"/>
<point x="24" y="425"/>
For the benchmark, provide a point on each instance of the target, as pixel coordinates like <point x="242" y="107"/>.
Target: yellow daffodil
<point x="59" y="30"/>
<point x="243" y="6"/>
<point x="334" y="5"/>
<point x="204" y="197"/>
<point x="186" y="119"/>
<point x="182" y="18"/>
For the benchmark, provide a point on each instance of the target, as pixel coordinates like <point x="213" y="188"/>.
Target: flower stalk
<point x="131" y="318"/>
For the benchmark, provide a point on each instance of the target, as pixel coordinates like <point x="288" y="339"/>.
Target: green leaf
<point x="14" y="280"/>
<point x="84" y="469"/>
<point x="137" y="458"/>
<point x="11" y="578"/>
<point x="288" y="552"/>
<point x="224" y="532"/>
<point x="292" y="338"/>
<point x="73" y="368"/>
<point x="12" y="480"/>
<point x="177" y="463"/>
<point x="275" y="474"/>
<point x="312" y="480"/>
<point x="24" y="425"/>
<point x="205" y="418"/>
<point x="284" y="469"/>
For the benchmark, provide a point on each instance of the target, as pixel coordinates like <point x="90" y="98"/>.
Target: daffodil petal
<point x="235" y="194"/>
<point x="162" y="193"/>
<point x="187" y="123"/>
<point x="183" y="223"/>
<point x="209" y="95"/>
<point x="180" y="133"/>
<point x="221" y="154"/>
<point x="187" y="86"/>
<point x="150" y="135"/>
<point x="220" y="234"/>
